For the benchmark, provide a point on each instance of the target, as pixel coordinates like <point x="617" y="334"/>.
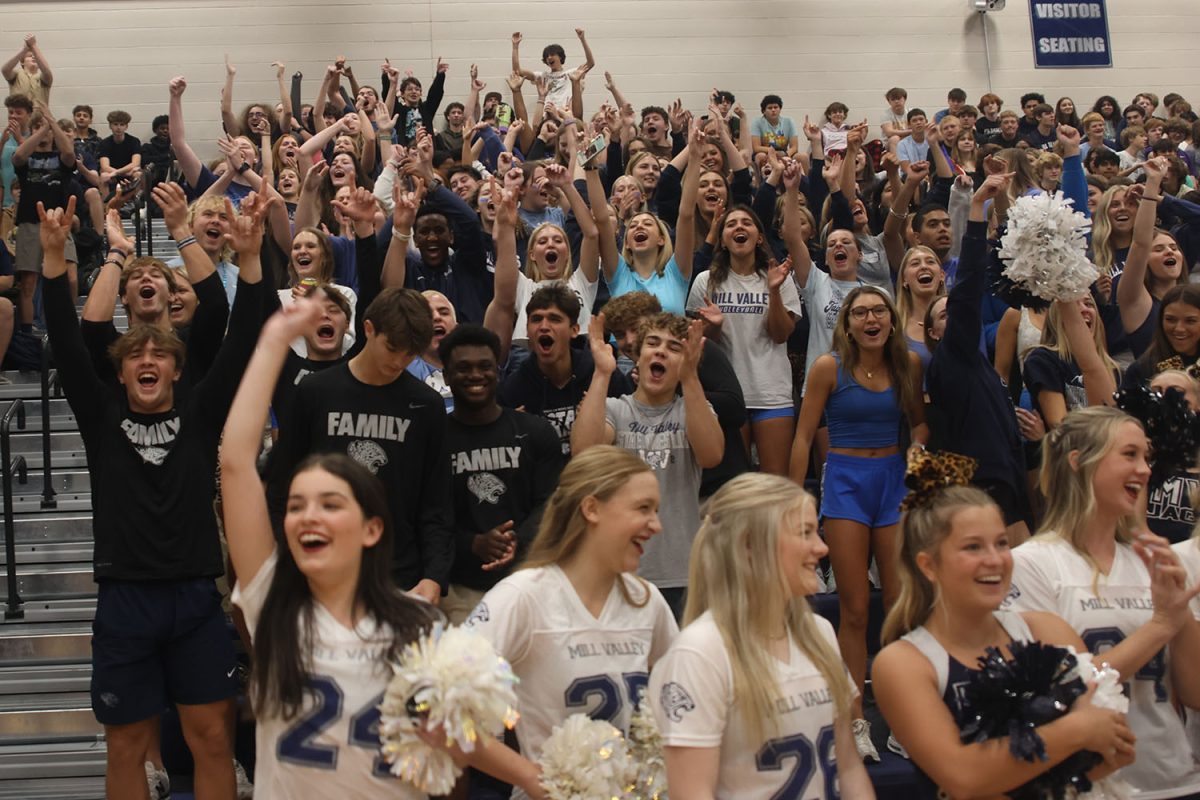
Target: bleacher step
<point x="52" y="610"/>
<point x="50" y="552"/>
<point x="83" y="788"/>
<point x="45" y="678"/>
<point x="36" y="581"/>
<point x="53" y="526"/>
<point x="32" y="717"/>
<point x="46" y="643"/>
<point x="68" y="759"/>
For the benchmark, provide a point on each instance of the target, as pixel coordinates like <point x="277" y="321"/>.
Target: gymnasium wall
<point x="121" y="53"/>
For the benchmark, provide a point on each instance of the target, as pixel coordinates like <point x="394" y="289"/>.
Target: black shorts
<point x="1014" y="504"/>
<point x="157" y="644"/>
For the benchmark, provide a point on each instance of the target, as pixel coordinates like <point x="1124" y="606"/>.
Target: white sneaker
<point x="158" y="782"/>
<point x="896" y="747"/>
<point x="862" y="741"/>
<point x="245" y="789"/>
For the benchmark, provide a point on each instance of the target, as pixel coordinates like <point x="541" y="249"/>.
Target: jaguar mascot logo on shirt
<point x="368" y="453"/>
<point x="675" y="701"/>
<point x="486" y="487"/>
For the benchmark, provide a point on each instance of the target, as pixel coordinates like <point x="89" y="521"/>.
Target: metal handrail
<point x="48" y="492"/>
<point x="14" y="609"/>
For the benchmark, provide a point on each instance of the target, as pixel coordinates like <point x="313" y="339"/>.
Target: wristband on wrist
<point x="182" y="243"/>
<point x="243" y="168"/>
<point x="117" y="264"/>
<point x="403" y="237"/>
<point x="118" y="251"/>
<point x="1155" y="198"/>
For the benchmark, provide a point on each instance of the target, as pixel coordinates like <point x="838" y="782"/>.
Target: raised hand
<point x="406" y="204"/>
<point x="675" y="115"/>
<point x="359" y="205"/>
<point x="832" y="171"/>
<point x="246" y="229"/>
<point x="302" y="316"/>
<point x="56" y="226"/>
<point x="442" y="66"/>
<point x="280" y="67"/>
<point x="608" y="81"/>
<point x="177" y="86"/>
<point x="933" y="135"/>
<point x="230" y="69"/>
<point x="602" y="354"/>
<point x="312" y="178"/>
<point x="173" y="202"/>
<point x="1069" y="137"/>
<point x="890" y="163"/>
<point x="557" y="176"/>
<point x="994" y="186"/>
<point x="392" y="73"/>
<point x="517" y="38"/>
<point x="579" y="32"/>
<point x="778" y="272"/>
<point x="918" y="171"/>
<point x="693" y="350"/>
<point x="1155" y="168"/>
<point x="542" y="84"/>
<point x="115" y="233"/>
<point x="710" y="312"/>
<point x="993" y="164"/>
<point x="811" y="130"/>
<point x="1168" y="580"/>
<point x="514" y="179"/>
<point x="505" y="201"/>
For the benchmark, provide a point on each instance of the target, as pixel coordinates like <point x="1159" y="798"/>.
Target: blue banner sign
<point x="1070" y="34"/>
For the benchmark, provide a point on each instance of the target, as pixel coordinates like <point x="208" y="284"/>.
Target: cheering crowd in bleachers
<point x="574" y="375"/>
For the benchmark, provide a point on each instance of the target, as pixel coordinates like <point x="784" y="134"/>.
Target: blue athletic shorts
<point x="760" y="414"/>
<point x="864" y="490"/>
<point x="157" y="644"/>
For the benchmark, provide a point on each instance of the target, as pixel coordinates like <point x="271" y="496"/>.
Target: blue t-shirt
<point x="779" y="136"/>
<point x="670" y="288"/>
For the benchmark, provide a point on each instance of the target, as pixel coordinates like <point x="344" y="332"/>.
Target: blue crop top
<point x="860" y="417"/>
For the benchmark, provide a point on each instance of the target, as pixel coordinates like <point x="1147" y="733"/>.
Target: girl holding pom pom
<point x="1122" y="590"/>
<point x="324" y="614"/>
<point x="753" y="700"/>
<point x="955" y="567"/>
<point x="578" y="626"/>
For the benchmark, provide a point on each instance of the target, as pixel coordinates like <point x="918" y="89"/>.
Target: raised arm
<point x="285" y="97"/>
<point x="102" y="298"/>
<point x="404" y="213"/>
<point x="26" y="148"/>
<point x="308" y="206"/>
<point x="685" y="229"/>
<point x="793" y="239"/>
<point x="897" y="218"/>
<point x="589" y="60"/>
<point x="9" y="68"/>
<point x="1098" y="381"/>
<point x="780" y="321"/>
<point x="590" y="427"/>
<point x="1133" y="298"/>
<point x="854" y="142"/>
<point x="528" y="132"/>
<point x="516" y="57"/>
<point x="316" y="143"/>
<point x="501" y="314"/>
<point x="606" y="230"/>
<point x="230" y="122"/>
<point x="703" y="428"/>
<point x="476" y="87"/>
<point x="247" y="523"/>
<point x="589" y="257"/>
<point x="189" y="162"/>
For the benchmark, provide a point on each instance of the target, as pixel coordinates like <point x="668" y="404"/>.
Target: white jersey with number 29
<point x="691" y="693"/>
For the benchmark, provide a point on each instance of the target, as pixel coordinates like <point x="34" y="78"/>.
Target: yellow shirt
<point x="29" y="85"/>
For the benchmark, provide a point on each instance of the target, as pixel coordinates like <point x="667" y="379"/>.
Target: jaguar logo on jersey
<point x="486" y="487"/>
<point x="368" y="453"/>
<point x="675" y="701"/>
<point x="480" y="614"/>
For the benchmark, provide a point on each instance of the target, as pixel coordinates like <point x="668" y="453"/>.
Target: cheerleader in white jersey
<point x="580" y="629"/>
<point x="1125" y="595"/>
<point x="1189" y="555"/>
<point x="753" y="699"/>
<point x="955" y="566"/>
<point x="322" y="610"/>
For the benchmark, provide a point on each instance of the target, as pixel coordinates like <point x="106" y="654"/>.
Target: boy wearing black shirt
<point x="504" y="465"/>
<point x="120" y="154"/>
<point x="159" y="636"/>
<point x="552" y="382"/>
<point x="391" y="423"/>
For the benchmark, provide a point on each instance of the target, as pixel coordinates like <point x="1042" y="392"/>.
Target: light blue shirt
<point x="670" y="288"/>
<point x="8" y="172"/>
<point x="910" y="150"/>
